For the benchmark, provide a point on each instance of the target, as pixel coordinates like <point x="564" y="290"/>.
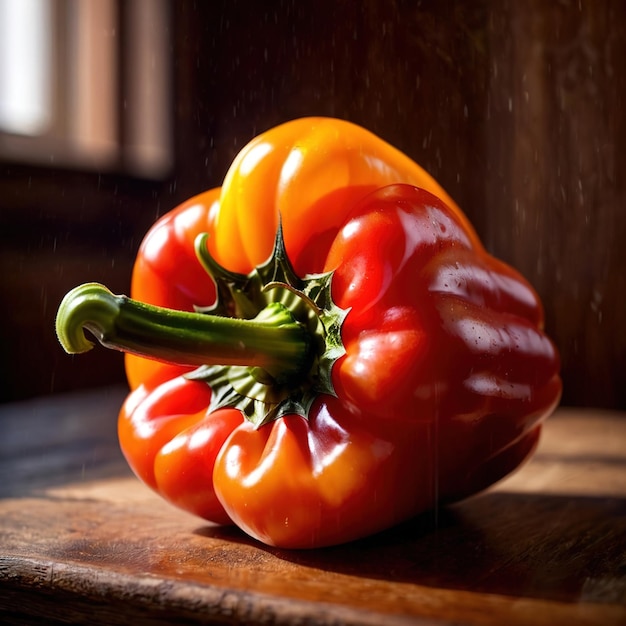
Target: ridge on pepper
<point x="321" y="348"/>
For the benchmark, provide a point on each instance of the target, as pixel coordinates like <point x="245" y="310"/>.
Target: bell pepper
<point x="321" y="348"/>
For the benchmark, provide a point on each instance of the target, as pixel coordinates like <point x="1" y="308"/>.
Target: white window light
<point x="25" y="66"/>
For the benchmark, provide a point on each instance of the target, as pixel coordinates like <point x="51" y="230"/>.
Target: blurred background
<point x="114" y="111"/>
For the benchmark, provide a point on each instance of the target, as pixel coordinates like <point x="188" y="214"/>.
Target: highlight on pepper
<point x="321" y="348"/>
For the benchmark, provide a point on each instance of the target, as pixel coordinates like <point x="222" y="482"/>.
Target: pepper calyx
<point x="263" y="398"/>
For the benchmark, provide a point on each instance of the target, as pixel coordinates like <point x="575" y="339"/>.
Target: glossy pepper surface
<point x="321" y="348"/>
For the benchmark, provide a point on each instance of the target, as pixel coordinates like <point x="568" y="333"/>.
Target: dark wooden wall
<point x="517" y="108"/>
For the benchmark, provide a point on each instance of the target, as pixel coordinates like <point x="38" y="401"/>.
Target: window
<point x="86" y="84"/>
<point x="25" y="88"/>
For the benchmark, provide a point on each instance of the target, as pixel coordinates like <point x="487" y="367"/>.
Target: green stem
<point x="273" y="340"/>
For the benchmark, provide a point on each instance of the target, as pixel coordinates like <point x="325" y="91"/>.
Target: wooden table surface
<point x="83" y="542"/>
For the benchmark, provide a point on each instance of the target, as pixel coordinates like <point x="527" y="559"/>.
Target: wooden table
<point x="82" y="541"/>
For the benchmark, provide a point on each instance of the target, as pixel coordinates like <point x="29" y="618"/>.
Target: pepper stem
<point x="267" y="346"/>
<point x="273" y="340"/>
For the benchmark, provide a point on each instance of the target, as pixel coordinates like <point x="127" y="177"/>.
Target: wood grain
<point x="546" y="546"/>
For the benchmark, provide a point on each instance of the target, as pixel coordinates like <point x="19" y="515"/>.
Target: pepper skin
<point x="440" y="387"/>
<point x="310" y="171"/>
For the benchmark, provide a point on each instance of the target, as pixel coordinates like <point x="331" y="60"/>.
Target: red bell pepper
<point x="378" y="363"/>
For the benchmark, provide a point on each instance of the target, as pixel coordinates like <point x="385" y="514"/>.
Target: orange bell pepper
<point x="355" y="358"/>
